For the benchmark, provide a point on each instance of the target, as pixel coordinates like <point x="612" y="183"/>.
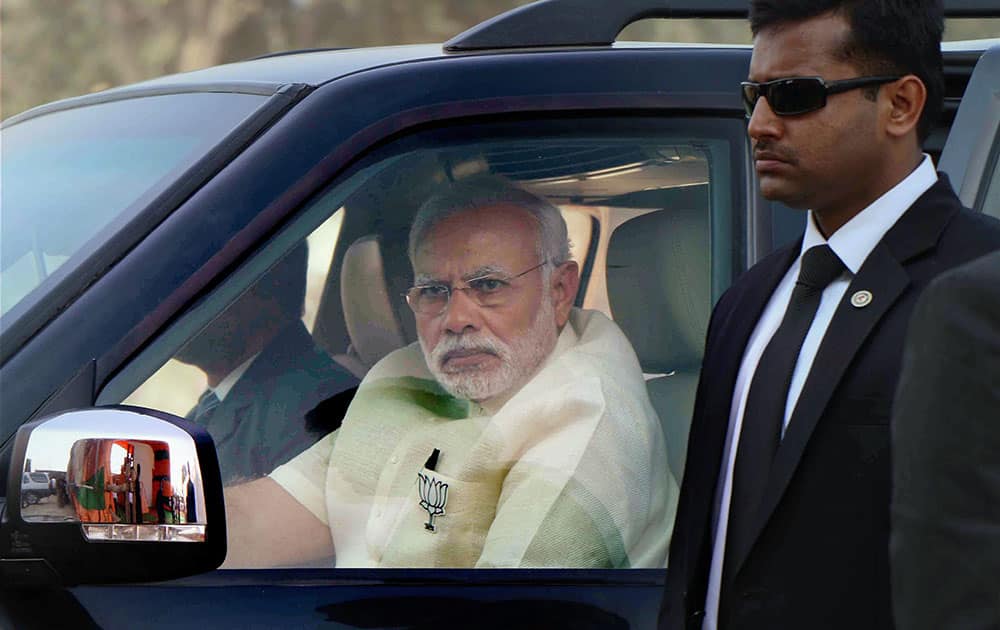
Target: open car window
<point x="306" y="360"/>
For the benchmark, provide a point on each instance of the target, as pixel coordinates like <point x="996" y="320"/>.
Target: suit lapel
<point x="885" y="278"/>
<point x="884" y="275"/>
<point x="751" y="294"/>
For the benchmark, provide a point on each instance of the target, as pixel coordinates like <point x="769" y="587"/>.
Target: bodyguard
<point x="783" y="519"/>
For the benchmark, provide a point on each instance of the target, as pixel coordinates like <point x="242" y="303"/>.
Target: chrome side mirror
<point x="112" y="494"/>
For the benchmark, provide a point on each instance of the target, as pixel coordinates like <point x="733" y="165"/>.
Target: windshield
<point x="68" y="177"/>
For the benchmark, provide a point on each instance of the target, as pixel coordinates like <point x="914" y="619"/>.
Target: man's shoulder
<point x="597" y="344"/>
<point x="782" y="258"/>
<point x="954" y="323"/>
<point x="295" y="363"/>
<point x="974" y="285"/>
<point x="965" y="237"/>
<point x="977" y="232"/>
<point x="597" y="351"/>
<point x="405" y="362"/>
<point x="767" y="271"/>
<point x="983" y="272"/>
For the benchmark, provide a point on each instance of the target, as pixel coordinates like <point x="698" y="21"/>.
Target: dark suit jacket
<point x="262" y="421"/>
<point x="820" y="552"/>
<point x="945" y="547"/>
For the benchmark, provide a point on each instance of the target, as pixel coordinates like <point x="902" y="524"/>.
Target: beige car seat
<point x="374" y="275"/>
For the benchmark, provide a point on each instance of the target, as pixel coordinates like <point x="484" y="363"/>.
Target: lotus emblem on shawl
<point x="433" y="497"/>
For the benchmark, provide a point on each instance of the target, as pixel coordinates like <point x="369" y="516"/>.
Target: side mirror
<point x="111" y="494"/>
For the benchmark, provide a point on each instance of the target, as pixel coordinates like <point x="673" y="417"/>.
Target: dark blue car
<point x="160" y="237"/>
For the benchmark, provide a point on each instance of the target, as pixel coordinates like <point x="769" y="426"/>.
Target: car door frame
<point x="292" y="162"/>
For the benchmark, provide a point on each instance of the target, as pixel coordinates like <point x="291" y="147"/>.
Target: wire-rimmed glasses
<point x="488" y="290"/>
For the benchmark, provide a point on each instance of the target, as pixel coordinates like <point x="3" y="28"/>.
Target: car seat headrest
<point x="659" y="286"/>
<point x="371" y="289"/>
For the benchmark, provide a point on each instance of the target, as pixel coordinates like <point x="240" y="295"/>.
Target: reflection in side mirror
<point x="115" y="484"/>
<point x="121" y="489"/>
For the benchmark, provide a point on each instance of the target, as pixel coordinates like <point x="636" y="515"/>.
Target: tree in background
<point x="58" y="48"/>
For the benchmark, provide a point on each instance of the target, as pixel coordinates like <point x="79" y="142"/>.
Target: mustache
<point x="764" y="150"/>
<point x="449" y="347"/>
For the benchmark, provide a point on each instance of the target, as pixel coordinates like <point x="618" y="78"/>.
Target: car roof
<point x="316" y="67"/>
<point x="313" y="67"/>
<point x="265" y="75"/>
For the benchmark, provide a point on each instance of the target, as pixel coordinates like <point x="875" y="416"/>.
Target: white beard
<point x="518" y="360"/>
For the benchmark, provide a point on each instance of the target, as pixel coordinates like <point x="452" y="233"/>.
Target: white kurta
<point x="570" y="472"/>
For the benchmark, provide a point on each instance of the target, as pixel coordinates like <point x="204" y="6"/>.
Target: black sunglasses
<point x="800" y="95"/>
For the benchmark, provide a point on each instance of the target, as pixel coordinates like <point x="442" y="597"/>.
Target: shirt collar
<point x="225" y="385"/>
<point x="856" y="239"/>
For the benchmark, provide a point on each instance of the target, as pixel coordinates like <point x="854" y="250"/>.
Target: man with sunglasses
<point x="517" y="432"/>
<point x="783" y="520"/>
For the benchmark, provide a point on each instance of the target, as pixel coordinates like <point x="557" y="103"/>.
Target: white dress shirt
<point x="853" y="242"/>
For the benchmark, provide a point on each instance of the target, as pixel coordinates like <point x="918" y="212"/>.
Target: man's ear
<point x="564" y="281"/>
<point x="905" y="100"/>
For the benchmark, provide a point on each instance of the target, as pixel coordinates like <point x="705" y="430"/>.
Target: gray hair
<point x="483" y="191"/>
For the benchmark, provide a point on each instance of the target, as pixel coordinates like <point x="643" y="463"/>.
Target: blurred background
<point x="54" y="49"/>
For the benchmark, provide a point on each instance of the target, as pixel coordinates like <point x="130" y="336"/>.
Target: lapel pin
<point x="433" y="492"/>
<point x="433" y="498"/>
<point x="861" y="299"/>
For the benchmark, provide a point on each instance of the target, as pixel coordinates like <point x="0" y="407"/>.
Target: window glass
<point x="177" y="383"/>
<point x="69" y="174"/>
<point x="482" y="396"/>
<point x="787" y="224"/>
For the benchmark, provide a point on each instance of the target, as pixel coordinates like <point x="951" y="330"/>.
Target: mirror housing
<point x="111" y="494"/>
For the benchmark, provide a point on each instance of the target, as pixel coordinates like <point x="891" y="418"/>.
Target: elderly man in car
<point x="516" y="433"/>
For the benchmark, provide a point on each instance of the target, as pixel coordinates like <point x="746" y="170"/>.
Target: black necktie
<point x="764" y="413"/>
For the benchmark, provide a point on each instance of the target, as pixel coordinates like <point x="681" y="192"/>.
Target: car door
<point x="592" y="132"/>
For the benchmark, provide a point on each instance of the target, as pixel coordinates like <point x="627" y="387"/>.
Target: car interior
<point x="643" y="218"/>
<point x="653" y="278"/>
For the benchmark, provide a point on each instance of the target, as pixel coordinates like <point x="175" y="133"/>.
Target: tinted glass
<point x="68" y="177"/>
<point x="308" y="367"/>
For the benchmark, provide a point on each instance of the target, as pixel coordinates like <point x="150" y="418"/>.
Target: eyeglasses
<point x="488" y="290"/>
<point x="800" y="95"/>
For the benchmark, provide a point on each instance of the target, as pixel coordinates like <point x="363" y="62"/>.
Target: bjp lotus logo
<point x="433" y="497"/>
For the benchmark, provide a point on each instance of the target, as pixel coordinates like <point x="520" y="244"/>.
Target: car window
<point x="69" y="174"/>
<point x="319" y="353"/>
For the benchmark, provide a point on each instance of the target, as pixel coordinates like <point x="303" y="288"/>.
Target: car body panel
<point x="306" y="598"/>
